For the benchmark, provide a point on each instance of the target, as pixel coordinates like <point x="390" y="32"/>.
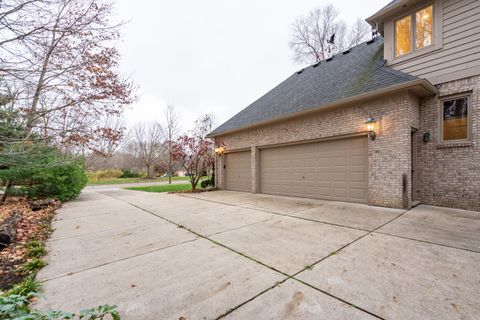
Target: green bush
<point x="207" y="183"/>
<point x="63" y="181"/>
<point x="38" y="170"/>
<point x="130" y="174"/>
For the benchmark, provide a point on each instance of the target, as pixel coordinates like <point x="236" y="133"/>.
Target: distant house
<point x="180" y="173"/>
<point x="390" y="122"/>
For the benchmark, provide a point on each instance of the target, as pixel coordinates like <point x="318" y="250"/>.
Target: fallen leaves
<point x="34" y="225"/>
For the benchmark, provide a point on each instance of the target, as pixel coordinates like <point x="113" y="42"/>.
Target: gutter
<point x="424" y="84"/>
<point x="386" y="11"/>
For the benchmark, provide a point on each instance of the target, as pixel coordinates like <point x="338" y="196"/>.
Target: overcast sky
<point x="212" y="55"/>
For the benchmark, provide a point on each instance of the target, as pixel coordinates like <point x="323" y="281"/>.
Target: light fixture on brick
<point x="219" y="150"/>
<point x="370" y="123"/>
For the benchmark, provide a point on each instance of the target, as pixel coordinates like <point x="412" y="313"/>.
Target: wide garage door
<point x="332" y="170"/>
<point x="238" y="171"/>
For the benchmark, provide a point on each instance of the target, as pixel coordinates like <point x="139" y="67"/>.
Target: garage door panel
<point x="357" y="177"/>
<point x="356" y="185"/>
<point x="358" y="193"/>
<point x="324" y="192"/>
<point x="340" y="192"/>
<point x="341" y="160"/>
<point x="335" y="170"/>
<point x="358" y="160"/>
<point x="238" y="171"/>
<point x="342" y="176"/>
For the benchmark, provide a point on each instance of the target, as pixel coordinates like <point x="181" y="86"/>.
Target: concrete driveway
<point x="244" y="256"/>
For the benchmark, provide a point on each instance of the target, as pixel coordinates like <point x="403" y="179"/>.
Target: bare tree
<point x="18" y="20"/>
<point x="105" y="148"/>
<point x="60" y="60"/>
<point x="320" y="34"/>
<point x="170" y="130"/>
<point x="145" y="142"/>
<point x="203" y="126"/>
<point x="357" y="33"/>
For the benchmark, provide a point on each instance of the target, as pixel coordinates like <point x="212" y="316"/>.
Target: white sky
<point x="212" y="55"/>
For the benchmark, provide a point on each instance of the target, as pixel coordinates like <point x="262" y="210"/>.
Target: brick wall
<point x="449" y="176"/>
<point x="389" y="155"/>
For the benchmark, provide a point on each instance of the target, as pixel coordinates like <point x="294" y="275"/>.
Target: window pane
<point x="403" y="36"/>
<point x="455" y="119"/>
<point x="424" y="27"/>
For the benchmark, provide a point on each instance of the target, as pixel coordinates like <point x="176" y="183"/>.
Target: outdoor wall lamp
<point x="219" y="150"/>
<point x="426" y="137"/>
<point x="370" y="123"/>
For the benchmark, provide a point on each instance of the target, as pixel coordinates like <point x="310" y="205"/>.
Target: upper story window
<point x="414" y="31"/>
<point x="455" y="119"/>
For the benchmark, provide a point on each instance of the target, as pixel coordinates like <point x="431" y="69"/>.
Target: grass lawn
<point x="132" y="180"/>
<point x="163" y="188"/>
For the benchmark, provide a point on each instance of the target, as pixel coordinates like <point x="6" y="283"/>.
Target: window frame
<point x="467" y="95"/>
<point x="413" y="33"/>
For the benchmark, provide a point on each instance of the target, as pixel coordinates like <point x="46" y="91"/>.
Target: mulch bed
<point x="195" y="191"/>
<point x="34" y="225"/>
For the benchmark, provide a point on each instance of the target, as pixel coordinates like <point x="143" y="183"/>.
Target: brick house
<point x="391" y="122"/>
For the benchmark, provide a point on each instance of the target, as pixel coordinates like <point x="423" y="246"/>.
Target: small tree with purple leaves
<point x="195" y="151"/>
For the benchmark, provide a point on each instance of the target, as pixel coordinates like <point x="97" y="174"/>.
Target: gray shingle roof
<point x="394" y="2"/>
<point x="347" y="75"/>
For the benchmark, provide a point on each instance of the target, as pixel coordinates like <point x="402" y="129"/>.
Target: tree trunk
<point x="213" y="174"/>
<point x="169" y="162"/>
<point x="148" y="172"/>
<point x="38" y="90"/>
<point x="8" y="186"/>
<point x="193" y="182"/>
<point x="8" y="229"/>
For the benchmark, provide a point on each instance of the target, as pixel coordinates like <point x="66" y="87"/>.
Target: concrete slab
<point x="67" y="256"/>
<point x="203" y="217"/>
<point x="195" y="280"/>
<point x="294" y="300"/>
<point x="74" y="227"/>
<point x="288" y="244"/>
<point x="227" y="197"/>
<point x="451" y="227"/>
<point x="78" y="212"/>
<point x="282" y="205"/>
<point x="218" y="220"/>
<point x="90" y="203"/>
<point x="353" y="215"/>
<point x="397" y="278"/>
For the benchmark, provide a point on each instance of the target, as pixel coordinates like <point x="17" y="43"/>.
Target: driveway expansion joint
<point x="98" y="231"/>
<point x="290" y="215"/>
<point x="350" y="243"/>
<point x="240" y="227"/>
<point x="118" y="260"/>
<point x="426" y="241"/>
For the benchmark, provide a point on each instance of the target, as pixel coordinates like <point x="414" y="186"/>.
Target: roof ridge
<point x="340" y="53"/>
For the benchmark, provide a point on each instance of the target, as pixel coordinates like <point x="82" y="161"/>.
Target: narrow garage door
<point x="333" y="170"/>
<point x="238" y="171"/>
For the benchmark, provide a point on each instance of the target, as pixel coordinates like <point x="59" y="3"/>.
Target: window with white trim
<point x="414" y="32"/>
